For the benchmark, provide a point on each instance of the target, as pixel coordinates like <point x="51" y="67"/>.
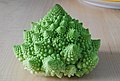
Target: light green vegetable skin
<point x="58" y="45"/>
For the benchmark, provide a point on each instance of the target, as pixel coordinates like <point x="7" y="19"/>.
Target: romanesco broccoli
<point x="58" y="45"/>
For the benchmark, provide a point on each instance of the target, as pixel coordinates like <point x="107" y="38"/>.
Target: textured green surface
<point x="58" y="46"/>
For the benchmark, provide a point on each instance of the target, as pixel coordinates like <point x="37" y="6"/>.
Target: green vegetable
<point x="58" y="45"/>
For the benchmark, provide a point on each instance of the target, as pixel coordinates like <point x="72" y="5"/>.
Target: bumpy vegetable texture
<point x="58" y="45"/>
